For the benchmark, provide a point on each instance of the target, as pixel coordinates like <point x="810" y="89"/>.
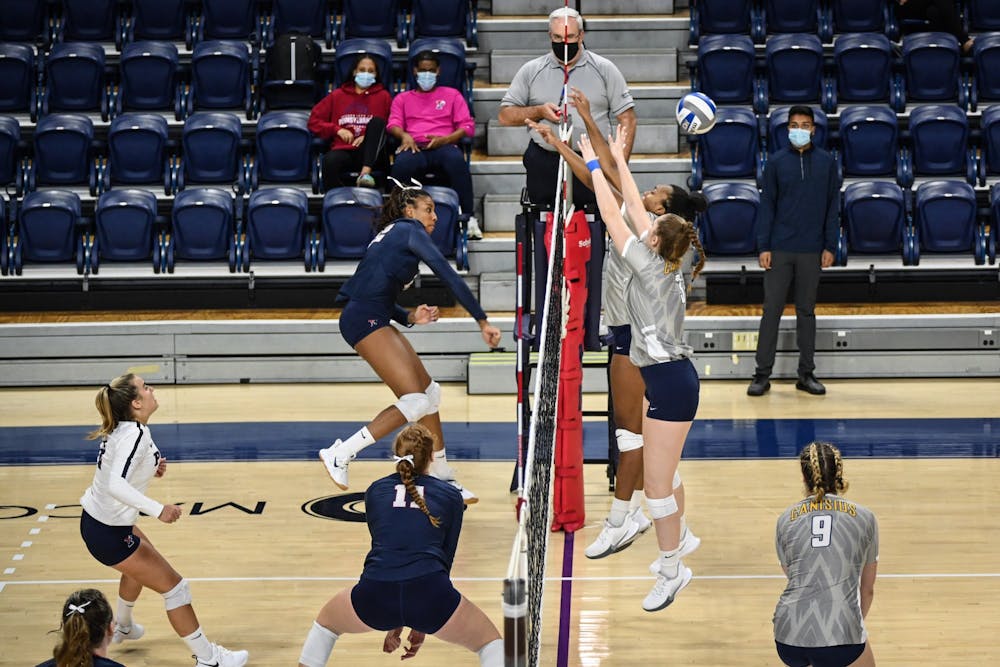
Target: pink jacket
<point x="438" y="112"/>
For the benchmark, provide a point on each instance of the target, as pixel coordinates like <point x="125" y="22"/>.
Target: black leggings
<point x="371" y="153"/>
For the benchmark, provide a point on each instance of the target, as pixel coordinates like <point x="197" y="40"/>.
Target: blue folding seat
<point x="986" y="81"/>
<point x="220" y="77"/>
<point x="64" y="152"/>
<point x="202" y="228"/>
<point x="983" y="15"/>
<point x="149" y="78"/>
<point x="373" y="18"/>
<point x="455" y="71"/>
<point x="931" y="66"/>
<point x="795" y="69"/>
<point x="444" y="18"/>
<point x="874" y="215"/>
<point x="138" y="152"/>
<point x="725" y="69"/>
<point x="304" y="17"/>
<point x="730" y="151"/>
<point x="993" y="239"/>
<point x="723" y="17"/>
<point x="859" y="15"/>
<point x="277" y="226"/>
<point x="12" y="162"/>
<point x="25" y="21"/>
<point x="448" y="234"/>
<point x="348" y="51"/>
<point x="729" y="224"/>
<point x="349" y="218"/>
<point x="869" y="143"/>
<point x="989" y="127"/>
<point x="75" y="79"/>
<point x="125" y="229"/>
<point x="5" y="238"/>
<point x="284" y="152"/>
<point x="17" y="79"/>
<point x="160" y="20"/>
<point x="210" y="150"/>
<point x="945" y="219"/>
<point x="229" y="19"/>
<point x="939" y="141"/>
<point x="791" y="16"/>
<point x="48" y="231"/>
<point x="90" y="21"/>
<point x="777" y="129"/>
<point x="863" y="65"/>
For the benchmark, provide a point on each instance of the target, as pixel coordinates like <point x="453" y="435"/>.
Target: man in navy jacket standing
<point x="797" y="229"/>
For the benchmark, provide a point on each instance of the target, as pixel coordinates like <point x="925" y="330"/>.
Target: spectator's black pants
<point x="542" y="166"/>
<point x="371" y="153"/>
<point x="802" y="269"/>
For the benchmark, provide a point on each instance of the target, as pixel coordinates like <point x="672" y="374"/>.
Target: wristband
<point x="593" y="165"/>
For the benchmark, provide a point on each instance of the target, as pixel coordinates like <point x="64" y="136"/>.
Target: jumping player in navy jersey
<point x="390" y="264"/>
<point x="86" y="626"/>
<point x="127" y="462"/>
<point x="414" y="520"/>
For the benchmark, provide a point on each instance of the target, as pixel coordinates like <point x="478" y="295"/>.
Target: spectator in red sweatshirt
<point x="352" y="118"/>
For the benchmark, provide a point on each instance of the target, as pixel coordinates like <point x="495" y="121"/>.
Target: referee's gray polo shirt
<point x="541" y="80"/>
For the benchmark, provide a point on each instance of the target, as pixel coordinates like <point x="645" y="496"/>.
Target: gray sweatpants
<point x="802" y="269"/>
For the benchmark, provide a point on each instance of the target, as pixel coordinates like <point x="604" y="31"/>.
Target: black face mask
<point x="572" y="48"/>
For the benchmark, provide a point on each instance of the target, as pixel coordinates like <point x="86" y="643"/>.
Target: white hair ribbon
<point x="77" y="610"/>
<point x="417" y="185"/>
<point x="408" y="457"/>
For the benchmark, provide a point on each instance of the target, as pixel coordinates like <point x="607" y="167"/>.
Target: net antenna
<point x="524" y="584"/>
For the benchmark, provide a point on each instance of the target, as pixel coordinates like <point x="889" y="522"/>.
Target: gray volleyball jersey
<point x="823" y="546"/>
<point x="616" y="276"/>
<point x="655" y="303"/>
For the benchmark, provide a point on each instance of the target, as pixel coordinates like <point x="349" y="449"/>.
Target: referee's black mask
<point x="571" y="49"/>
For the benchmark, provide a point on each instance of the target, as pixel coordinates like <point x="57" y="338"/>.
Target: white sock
<point x="619" y="510"/>
<point x="319" y="644"/>
<point x="491" y="655"/>
<point x="123" y="615"/>
<point x="684" y="527"/>
<point x="199" y="645"/>
<point x="439" y="466"/>
<point x="359" y="441"/>
<point x="669" y="563"/>
<point x="638" y="496"/>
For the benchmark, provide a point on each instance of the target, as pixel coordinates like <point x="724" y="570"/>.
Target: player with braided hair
<point x="414" y="519"/>
<point x="390" y="265"/>
<point x="86" y="626"/>
<point x="828" y="549"/>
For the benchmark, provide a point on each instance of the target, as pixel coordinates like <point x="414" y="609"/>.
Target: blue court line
<point x="709" y="439"/>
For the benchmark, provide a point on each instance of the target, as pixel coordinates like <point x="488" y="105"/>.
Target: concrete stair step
<point x="593" y="7"/>
<point x="496" y="291"/>
<point x="653" y="135"/>
<point x="651" y="100"/>
<point x="637" y="65"/>
<point x="499" y="211"/>
<point x="603" y="33"/>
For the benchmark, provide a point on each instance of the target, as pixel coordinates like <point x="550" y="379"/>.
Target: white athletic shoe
<point x="336" y="463"/>
<point x="666" y="589"/>
<point x="133" y="633"/>
<point x="640" y="519"/>
<point x="468" y="497"/>
<point x="689" y="542"/>
<point x="613" y="538"/>
<point x="472" y="227"/>
<point x="223" y="657"/>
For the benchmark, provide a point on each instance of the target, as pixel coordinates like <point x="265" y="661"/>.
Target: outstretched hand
<point x="586" y="150"/>
<point x="425" y="314"/>
<point x="618" y="143"/>
<point x="579" y="100"/>
<point x="544" y="131"/>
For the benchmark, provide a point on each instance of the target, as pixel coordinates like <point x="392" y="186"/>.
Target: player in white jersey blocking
<point x="655" y="300"/>
<point x="128" y="460"/>
<point x="828" y="548"/>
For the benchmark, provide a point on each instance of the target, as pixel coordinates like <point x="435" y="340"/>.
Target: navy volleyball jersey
<point x="405" y="544"/>
<point x="391" y="263"/>
<point x="98" y="662"/>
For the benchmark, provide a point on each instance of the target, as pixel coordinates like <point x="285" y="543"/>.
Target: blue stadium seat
<point x="456" y="72"/>
<point x="75" y="79"/>
<point x="348" y="50"/>
<point x="723" y="17"/>
<point x="349" y="217"/>
<point x="874" y="217"/>
<point x="444" y="18"/>
<point x="138" y="152"/>
<point x="125" y="229"/>
<point x="304" y="17"/>
<point x="994" y="236"/>
<point x="989" y="162"/>
<point x="12" y="162"/>
<point x="725" y="70"/>
<point x="945" y="220"/>
<point x="731" y="150"/>
<point x="931" y="64"/>
<point x="64" y="152"/>
<point x="220" y="77"/>
<point x="229" y="19"/>
<point x="783" y="16"/>
<point x="939" y="141"/>
<point x="17" y="79"/>
<point x="373" y="18"/>
<point x="986" y="58"/>
<point x="859" y="15"/>
<point x="869" y="143"/>
<point x="149" y="78"/>
<point x="983" y="15"/>
<point x="5" y="238"/>
<point x="284" y="150"/>
<point x="161" y="20"/>
<point x="210" y="150"/>
<point x="448" y="234"/>
<point x="203" y="228"/>
<point x="90" y="21"/>
<point x="777" y="129"/>
<point x="729" y="224"/>
<point x="48" y="231"/>
<point x="277" y="226"/>
<point x="25" y="21"/>
<point x="863" y="64"/>
<point x="795" y="70"/>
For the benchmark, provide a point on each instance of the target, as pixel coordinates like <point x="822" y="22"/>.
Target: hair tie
<point x="74" y="609"/>
<point x="417" y="185"/>
<point x="408" y="458"/>
<point x="108" y="387"/>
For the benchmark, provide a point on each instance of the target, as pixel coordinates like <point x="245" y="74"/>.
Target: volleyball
<point x="695" y="113"/>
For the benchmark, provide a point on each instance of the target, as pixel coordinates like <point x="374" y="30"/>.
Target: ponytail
<point x="86" y="617"/>
<point x="414" y="448"/>
<point x="114" y="404"/>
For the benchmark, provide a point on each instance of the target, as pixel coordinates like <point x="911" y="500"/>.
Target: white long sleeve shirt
<point x="125" y="465"/>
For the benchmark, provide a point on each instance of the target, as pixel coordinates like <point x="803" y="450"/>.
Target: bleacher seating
<point x="25" y="21"/>
<point x="75" y="79"/>
<point x="284" y="151"/>
<point x="18" y="77"/>
<point x="874" y="217"/>
<point x="794" y="64"/>
<point x="791" y="16"/>
<point x="731" y="150"/>
<point x="90" y="21"/>
<point x="945" y="220"/>
<point x="221" y="77"/>
<point x="203" y="227"/>
<point x="444" y="18"/>
<point x="864" y="70"/>
<point x="277" y="227"/>
<point x="229" y="20"/>
<point x="373" y="18"/>
<point x="125" y="229"/>
<point x="304" y="17"/>
<point x="931" y="64"/>
<point x="11" y="167"/>
<point x="138" y="152"/>
<point x="148" y="79"/>
<point x="160" y="20"/>
<point x="211" y="150"/>
<point x="348" y="223"/>
<point x="869" y="143"/>
<point x="939" y="143"/>
<point x="64" y="152"/>
<point x="728" y="226"/>
<point x="48" y="231"/>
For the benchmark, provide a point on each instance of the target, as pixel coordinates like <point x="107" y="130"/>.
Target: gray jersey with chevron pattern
<point x="616" y="276"/>
<point x="823" y="546"/>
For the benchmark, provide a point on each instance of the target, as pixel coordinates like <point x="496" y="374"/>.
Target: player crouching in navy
<point x="127" y="462"/>
<point x="828" y="549"/>
<point x="86" y="626"/>
<point x="414" y="520"/>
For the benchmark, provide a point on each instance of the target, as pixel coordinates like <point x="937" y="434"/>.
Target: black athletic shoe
<point x="810" y="384"/>
<point x="759" y="385"/>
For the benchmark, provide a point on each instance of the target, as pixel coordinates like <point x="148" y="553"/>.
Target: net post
<point x="515" y="613"/>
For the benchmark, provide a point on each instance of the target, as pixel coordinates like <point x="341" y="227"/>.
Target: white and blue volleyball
<point x="695" y="113"/>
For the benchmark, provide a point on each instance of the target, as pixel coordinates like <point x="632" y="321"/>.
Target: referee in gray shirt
<point x="536" y="94"/>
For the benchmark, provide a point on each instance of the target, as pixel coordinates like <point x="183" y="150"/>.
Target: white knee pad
<point x="677" y="479"/>
<point x="627" y="440"/>
<point x="433" y="392"/>
<point x="413" y="406"/>
<point x="491" y="655"/>
<point x="178" y="596"/>
<point x="661" y="508"/>
<point x="318" y="647"/>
